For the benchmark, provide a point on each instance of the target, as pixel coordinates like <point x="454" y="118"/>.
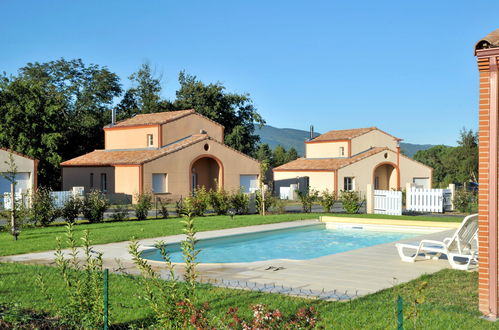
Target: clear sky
<point x="404" y="66"/>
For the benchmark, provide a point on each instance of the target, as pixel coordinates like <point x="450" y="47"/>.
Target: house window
<point x="150" y="141"/>
<point x="159" y="183"/>
<point x="348" y="184"/>
<point x="103" y="182"/>
<point x="91" y="180"/>
<point x="342" y="151"/>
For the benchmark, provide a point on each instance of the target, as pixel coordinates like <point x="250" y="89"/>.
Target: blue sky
<point x="406" y="67"/>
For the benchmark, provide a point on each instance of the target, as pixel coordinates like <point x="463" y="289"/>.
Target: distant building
<point x="27" y="171"/>
<point x="350" y="159"/>
<point x="167" y="153"/>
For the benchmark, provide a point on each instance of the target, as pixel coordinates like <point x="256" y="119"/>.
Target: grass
<point x="44" y="239"/>
<point x="450" y="301"/>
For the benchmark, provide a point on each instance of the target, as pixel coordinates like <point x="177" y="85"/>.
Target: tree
<point x="234" y="111"/>
<point x="55" y="111"/>
<point x="280" y="156"/>
<point x="10" y="176"/>
<point x="292" y="154"/>
<point x="144" y="96"/>
<point x="264" y="153"/>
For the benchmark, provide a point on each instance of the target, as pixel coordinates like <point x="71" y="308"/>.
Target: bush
<point x="220" y="201"/>
<point x="120" y="213"/>
<point x="351" y="201"/>
<point x="307" y="199"/>
<point x="94" y="206"/>
<point x="72" y="207"/>
<point x="197" y="204"/>
<point x="327" y="199"/>
<point x="144" y="204"/>
<point x="269" y="201"/>
<point x="279" y="206"/>
<point x="163" y="208"/>
<point x="43" y="210"/>
<point x="464" y="200"/>
<point x="240" y="202"/>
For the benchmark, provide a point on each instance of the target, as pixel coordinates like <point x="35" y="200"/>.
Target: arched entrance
<point x="385" y="176"/>
<point x="205" y="171"/>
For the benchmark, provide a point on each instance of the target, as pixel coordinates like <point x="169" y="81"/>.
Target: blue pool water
<point x="298" y="244"/>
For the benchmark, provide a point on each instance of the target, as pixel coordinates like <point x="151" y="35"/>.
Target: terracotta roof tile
<point x="327" y="163"/>
<point x="347" y="134"/>
<point x="131" y="157"/>
<point x="153" y="118"/>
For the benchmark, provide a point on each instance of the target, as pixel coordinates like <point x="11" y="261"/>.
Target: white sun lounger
<point x="459" y="248"/>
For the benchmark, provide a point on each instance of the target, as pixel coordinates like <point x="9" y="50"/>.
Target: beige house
<point x="167" y="153"/>
<point x="27" y="171"/>
<point x="351" y="159"/>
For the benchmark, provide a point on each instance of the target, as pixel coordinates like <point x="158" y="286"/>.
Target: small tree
<point x="264" y="166"/>
<point x="10" y="176"/>
<point x="307" y="199"/>
<point x="94" y="206"/>
<point x="327" y="199"/>
<point x="43" y="210"/>
<point x="464" y="200"/>
<point x="144" y="204"/>
<point x="219" y="200"/>
<point x="351" y="201"/>
<point x="240" y="202"/>
<point x="71" y="209"/>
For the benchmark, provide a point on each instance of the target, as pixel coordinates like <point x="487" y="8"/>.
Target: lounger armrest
<point x="429" y="241"/>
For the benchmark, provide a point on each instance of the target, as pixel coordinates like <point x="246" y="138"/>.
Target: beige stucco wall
<point x="76" y="176"/>
<point x="189" y="125"/>
<point x="130" y="137"/>
<point x="23" y="164"/>
<point x="373" y="138"/>
<point x="127" y="179"/>
<point x="325" y="149"/>
<point x="177" y="167"/>
<point x="319" y="181"/>
<point x="413" y="169"/>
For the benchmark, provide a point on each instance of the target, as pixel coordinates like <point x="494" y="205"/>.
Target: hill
<point x="290" y="137"/>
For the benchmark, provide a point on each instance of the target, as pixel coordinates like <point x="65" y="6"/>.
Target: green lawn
<point x="450" y="301"/>
<point x="44" y="239"/>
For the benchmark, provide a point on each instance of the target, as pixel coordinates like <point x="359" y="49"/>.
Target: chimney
<point x="113" y="117"/>
<point x="311" y="132"/>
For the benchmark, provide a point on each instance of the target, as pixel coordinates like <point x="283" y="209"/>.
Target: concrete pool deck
<point x="357" y="272"/>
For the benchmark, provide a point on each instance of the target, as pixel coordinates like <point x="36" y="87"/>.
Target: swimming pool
<point x="300" y="243"/>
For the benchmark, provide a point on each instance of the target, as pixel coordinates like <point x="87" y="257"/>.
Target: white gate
<point x="429" y="200"/>
<point x="388" y="202"/>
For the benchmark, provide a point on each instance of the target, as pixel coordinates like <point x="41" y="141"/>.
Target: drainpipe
<point x="398" y="164"/>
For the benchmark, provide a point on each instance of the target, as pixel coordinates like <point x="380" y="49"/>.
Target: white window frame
<point x="346" y="184"/>
<point x="165" y="183"/>
<point x="150" y="140"/>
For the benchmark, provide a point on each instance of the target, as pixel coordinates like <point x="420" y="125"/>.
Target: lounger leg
<point x="403" y="257"/>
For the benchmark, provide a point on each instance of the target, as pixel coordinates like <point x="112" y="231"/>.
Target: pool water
<point x="298" y="243"/>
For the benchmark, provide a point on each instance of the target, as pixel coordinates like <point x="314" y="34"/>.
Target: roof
<point x="17" y="153"/>
<point x="327" y="164"/>
<point x="491" y="40"/>
<point x="153" y="118"/>
<point x="131" y="157"/>
<point x="346" y="134"/>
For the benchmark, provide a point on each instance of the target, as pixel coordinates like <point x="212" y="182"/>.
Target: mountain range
<point x="290" y="137"/>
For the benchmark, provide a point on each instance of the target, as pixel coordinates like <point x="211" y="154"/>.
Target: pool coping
<point x="393" y="222"/>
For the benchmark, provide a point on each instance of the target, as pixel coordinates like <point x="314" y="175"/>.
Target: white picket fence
<point x="429" y="200"/>
<point x="59" y="197"/>
<point x="388" y="202"/>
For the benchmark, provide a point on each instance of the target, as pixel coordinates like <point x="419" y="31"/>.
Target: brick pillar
<point x="488" y="182"/>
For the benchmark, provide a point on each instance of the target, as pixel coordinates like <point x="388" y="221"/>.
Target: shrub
<point x="240" y="202"/>
<point x="197" y="204"/>
<point x="95" y="204"/>
<point x="144" y="204"/>
<point x="163" y="208"/>
<point x="43" y="210"/>
<point x="71" y="209"/>
<point x="464" y="200"/>
<point x="83" y="282"/>
<point x="351" y="201"/>
<point x="327" y="199"/>
<point x="307" y="199"/>
<point x="120" y="213"/>
<point x="279" y="206"/>
<point x="269" y="201"/>
<point x="219" y="200"/>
